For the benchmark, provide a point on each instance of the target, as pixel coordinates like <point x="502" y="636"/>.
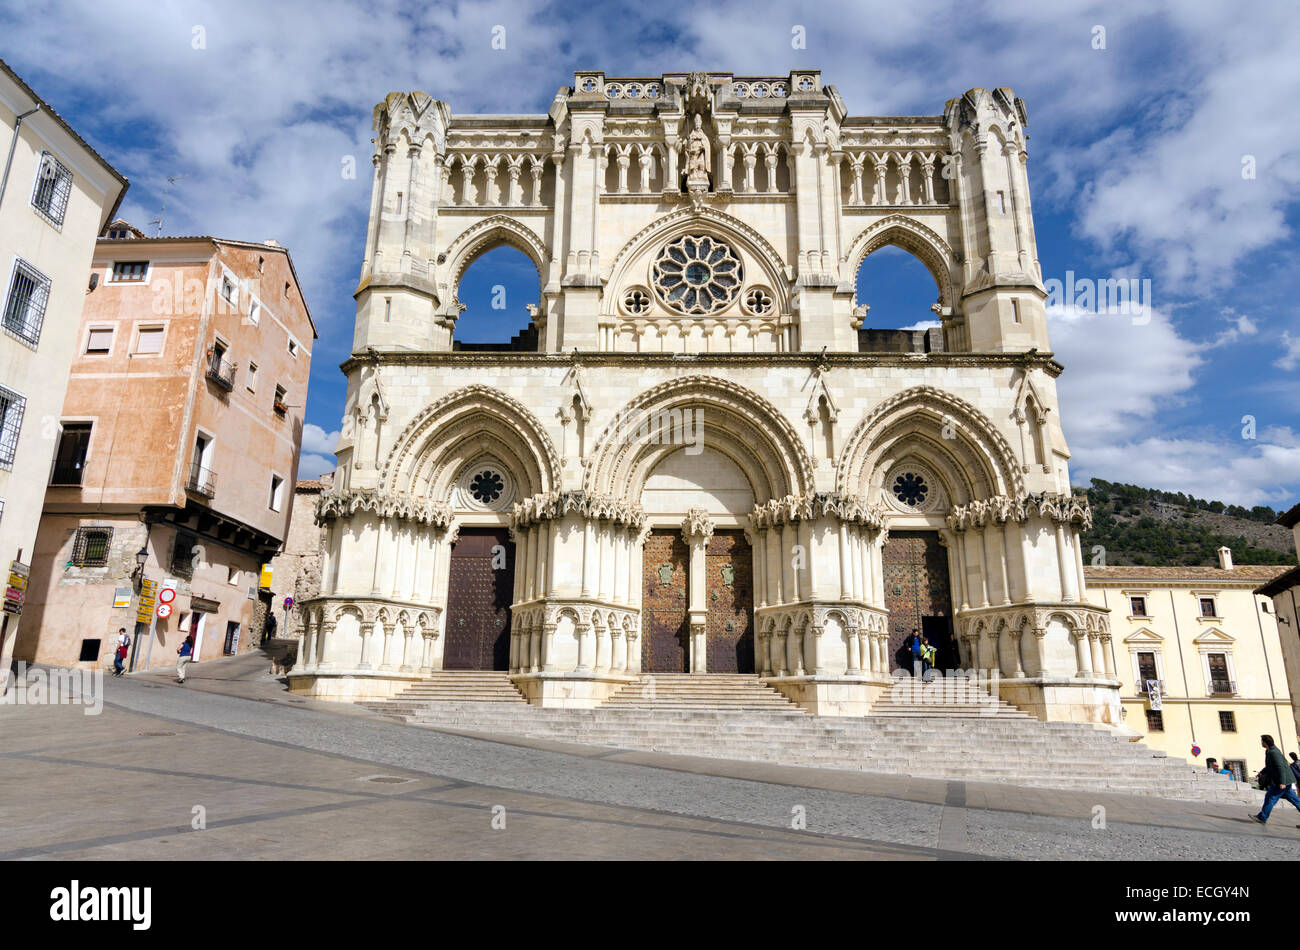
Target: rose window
<point x="486" y="487"/>
<point x="697" y="274"/>
<point x="759" y="302"/>
<point x="636" y="301"/>
<point x="911" y="489"/>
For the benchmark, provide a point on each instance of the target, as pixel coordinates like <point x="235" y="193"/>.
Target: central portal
<point x="728" y="579"/>
<point x="482" y="575"/>
<point x="917" y="595"/>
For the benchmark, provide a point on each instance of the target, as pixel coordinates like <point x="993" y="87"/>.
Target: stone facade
<point x="702" y="366"/>
<point x="295" y="570"/>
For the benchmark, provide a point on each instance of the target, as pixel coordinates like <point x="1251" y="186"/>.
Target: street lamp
<point x="141" y="558"/>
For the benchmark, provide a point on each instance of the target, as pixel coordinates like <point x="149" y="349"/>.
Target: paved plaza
<point x="272" y="776"/>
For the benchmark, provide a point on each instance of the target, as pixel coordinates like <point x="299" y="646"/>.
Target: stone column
<point x="548" y="647"/>
<point x="1098" y="662"/>
<point x="385" y="658"/>
<point x="367" y="628"/>
<point x="618" y="649"/>
<point x="408" y="630"/>
<point x="812" y="659"/>
<point x="426" y="660"/>
<point x="1018" y="665"/>
<point x="855" y="646"/>
<point x="1108" y="656"/>
<point x="1081" y="652"/>
<point x="697" y="531"/>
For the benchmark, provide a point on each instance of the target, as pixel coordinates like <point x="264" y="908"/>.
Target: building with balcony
<point x="56" y="195"/>
<point x="1200" y="659"/>
<point x="177" y="445"/>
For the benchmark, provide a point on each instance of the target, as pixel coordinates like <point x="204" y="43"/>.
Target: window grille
<point x="90" y="549"/>
<point x="12" y="407"/>
<point x="29" y="291"/>
<point x="53" y="186"/>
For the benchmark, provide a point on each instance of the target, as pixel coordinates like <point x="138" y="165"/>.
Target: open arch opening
<point x="499" y="293"/>
<point x="895" y="295"/>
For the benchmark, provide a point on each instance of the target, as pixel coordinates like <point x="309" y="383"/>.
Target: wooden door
<point x="729" y="598"/>
<point x="665" y="630"/>
<point x="479" y="592"/>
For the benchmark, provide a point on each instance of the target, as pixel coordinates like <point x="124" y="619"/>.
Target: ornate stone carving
<point x="557" y="504"/>
<point x="343" y="503"/>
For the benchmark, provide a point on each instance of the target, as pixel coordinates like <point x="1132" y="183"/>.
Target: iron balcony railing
<point x="202" y="480"/>
<point x="1223" y="688"/>
<point x="1143" y="690"/>
<point x="220" y="371"/>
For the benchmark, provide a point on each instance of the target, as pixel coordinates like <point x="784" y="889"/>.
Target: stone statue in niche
<point x="697" y="154"/>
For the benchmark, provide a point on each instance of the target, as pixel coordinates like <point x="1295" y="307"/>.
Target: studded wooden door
<point x="729" y="597"/>
<point x="665" y="632"/>
<point x="479" y="592"/>
<point x="918" y="594"/>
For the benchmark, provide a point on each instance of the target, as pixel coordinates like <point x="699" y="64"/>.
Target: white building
<point x="705" y="463"/>
<point x="56" y="195"/>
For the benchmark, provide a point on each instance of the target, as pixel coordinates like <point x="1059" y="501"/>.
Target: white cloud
<point x="1119" y="377"/>
<point x="315" y="439"/>
<point x="313" y="466"/>
<point x="1291" y="357"/>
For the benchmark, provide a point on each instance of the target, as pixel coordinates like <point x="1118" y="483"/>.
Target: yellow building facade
<point x="1199" y="659"/>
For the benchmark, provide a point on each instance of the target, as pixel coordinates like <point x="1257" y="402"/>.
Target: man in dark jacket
<point x="1295" y="766"/>
<point x="1277" y="773"/>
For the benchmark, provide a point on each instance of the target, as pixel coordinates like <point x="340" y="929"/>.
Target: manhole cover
<point x="157" y="733"/>
<point x="387" y="779"/>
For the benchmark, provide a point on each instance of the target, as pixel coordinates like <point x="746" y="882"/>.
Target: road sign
<point x="167" y="595"/>
<point x="288" y="602"/>
<point x="164" y="610"/>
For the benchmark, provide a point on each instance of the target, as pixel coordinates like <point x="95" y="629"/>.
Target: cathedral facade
<point x="698" y="457"/>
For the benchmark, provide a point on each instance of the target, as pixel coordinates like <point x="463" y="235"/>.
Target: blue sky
<point x="1137" y="153"/>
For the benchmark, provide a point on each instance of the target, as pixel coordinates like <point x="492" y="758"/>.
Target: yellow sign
<point x="17" y="581"/>
<point x="265" y="582"/>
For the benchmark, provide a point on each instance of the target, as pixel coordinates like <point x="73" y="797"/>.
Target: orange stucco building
<point x="177" y="449"/>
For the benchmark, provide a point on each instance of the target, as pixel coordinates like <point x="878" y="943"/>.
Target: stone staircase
<point x="977" y="739"/>
<point x="456" y="686"/>
<point x="946" y="698"/>
<point x="715" y="691"/>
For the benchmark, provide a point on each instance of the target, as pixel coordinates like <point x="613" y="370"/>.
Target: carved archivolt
<point x="1082" y="619"/>
<point x="665" y="229"/>
<point x="720" y="414"/>
<point x="552" y="505"/>
<point x="343" y="503"/>
<point x="948" y="432"/>
<point x="435" y="445"/>
<point x="1050" y="506"/>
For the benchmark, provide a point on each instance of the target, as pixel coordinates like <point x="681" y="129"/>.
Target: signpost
<point x="16" y="590"/>
<point x="165" y="598"/>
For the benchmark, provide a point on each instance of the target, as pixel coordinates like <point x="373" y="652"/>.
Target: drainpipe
<point x="13" y="143"/>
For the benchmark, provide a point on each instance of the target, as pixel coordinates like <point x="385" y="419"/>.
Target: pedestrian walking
<point x="119" y="654"/>
<point x="913" y="644"/>
<point x="1277" y="779"/>
<point x="1295" y="766"/>
<point x="183" y="657"/>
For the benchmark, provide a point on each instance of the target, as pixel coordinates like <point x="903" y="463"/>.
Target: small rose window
<point x="486" y="487"/>
<point x="911" y="489"/>
<point x="636" y="301"/>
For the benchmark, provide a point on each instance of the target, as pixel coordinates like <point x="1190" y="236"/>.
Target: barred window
<point x="29" y="290"/>
<point x="53" y="185"/>
<point x="12" y="407"/>
<point x="183" y="556"/>
<point x="1227" y="721"/>
<point x="1155" y="721"/>
<point x="90" y="549"/>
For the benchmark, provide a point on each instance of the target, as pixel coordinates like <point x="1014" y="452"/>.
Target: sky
<point x="1163" y="148"/>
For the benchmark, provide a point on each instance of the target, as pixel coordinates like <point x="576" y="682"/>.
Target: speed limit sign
<point x="167" y="595"/>
<point x="164" y="610"/>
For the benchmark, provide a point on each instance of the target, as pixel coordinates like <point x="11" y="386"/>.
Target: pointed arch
<point x="728" y="418"/>
<point x="483" y="236"/>
<point x="444" y="437"/>
<point x="959" y="441"/>
<point x="915" y="238"/>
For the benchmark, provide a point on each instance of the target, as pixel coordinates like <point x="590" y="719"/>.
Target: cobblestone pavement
<point x="280" y="777"/>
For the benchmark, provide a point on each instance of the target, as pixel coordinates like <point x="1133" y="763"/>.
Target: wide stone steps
<point x="462" y="686"/>
<point x="930" y="741"/>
